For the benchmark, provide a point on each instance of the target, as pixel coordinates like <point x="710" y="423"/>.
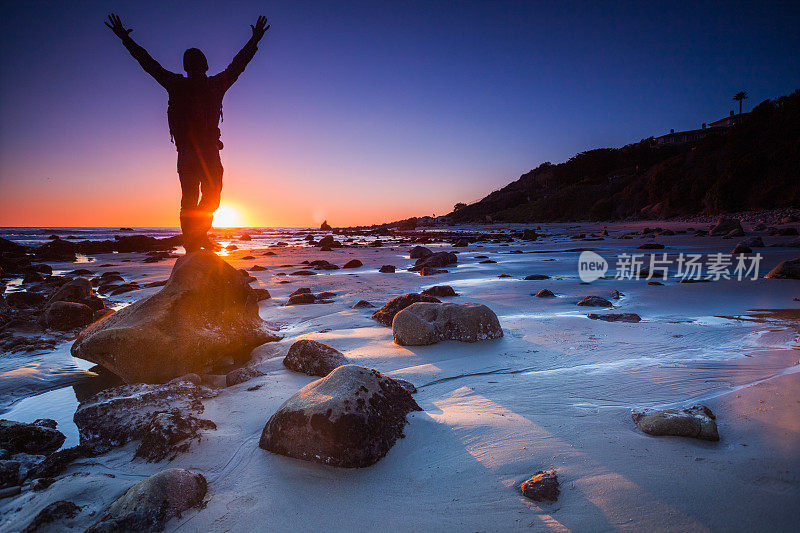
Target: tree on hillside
<point x="740" y="97"/>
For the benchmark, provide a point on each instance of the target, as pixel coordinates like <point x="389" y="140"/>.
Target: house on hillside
<point x="688" y="136"/>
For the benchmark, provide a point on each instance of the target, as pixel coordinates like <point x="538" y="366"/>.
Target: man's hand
<point x="259" y="29"/>
<point x="120" y="31"/>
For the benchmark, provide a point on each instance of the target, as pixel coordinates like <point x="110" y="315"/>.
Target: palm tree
<point x="740" y="97"/>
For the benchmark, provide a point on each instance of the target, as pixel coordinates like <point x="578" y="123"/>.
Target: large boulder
<point x="350" y="418"/>
<point x="385" y="314"/>
<point x="206" y="312"/>
<point x="313" y="358"/>
<point x="725" y="226"/>
<point x="40" y="437"/>
<point x="697" y="421"/>
<point x="785" y="270"/>
<point x="161" y="417"/>
<point x="428" y="323"/>
<point x="151" y="503"/>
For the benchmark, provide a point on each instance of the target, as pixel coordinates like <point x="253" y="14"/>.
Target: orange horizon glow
<point x="155" y="202"/>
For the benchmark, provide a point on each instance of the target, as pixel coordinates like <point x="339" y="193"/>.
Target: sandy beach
<point x="555" y="392"/>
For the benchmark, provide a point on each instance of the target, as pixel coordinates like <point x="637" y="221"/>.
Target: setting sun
<point x="228" y="216"/>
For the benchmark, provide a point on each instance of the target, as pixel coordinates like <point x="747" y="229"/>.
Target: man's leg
<point x="190" y="193"/>
<point x="211" y="187"/>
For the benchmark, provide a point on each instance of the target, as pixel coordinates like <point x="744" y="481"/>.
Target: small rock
<point x="353" y="263"/>
<point x="542" y="486"/>
<point x="431" y="271"/>
<point x="241" y="375"/>
<point x="785" y="270"/>
<point x="9" y="473"/>
<point x="386" y="314"/>
<point x="24" y="299"/>
<point x="313" y="358"/>
<point x="742" y="249"/>
<point x="595" y="301"/>
<point x="57" y="511"/>
<point x="42" y="484"/>
<point x="78" y="290"/>
<point x="536" y="277"/>
<point x="753" y="242"/>
<point x="165" y="430"/>
<point x="436" y="260"/>
<point x="616" y="317"/>
<point x="419" y="252"/>
<point x="696" y="421"/>
<point x="262" y="294"/>
<point x="545" y="293"/>
<point x="40" y="437"/>
<point x="387" y="269"/>
<point x="64" y="316"/>
<point x="151" y="503"/>
<point x="302" y="299"/>
<point x="428" y="323"/>
<point x="440" y="291"/>
<point x="725" y="226"/>
<point x="362" y="304"/>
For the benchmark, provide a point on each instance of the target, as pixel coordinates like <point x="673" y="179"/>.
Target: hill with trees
<point x="752" y="165"/>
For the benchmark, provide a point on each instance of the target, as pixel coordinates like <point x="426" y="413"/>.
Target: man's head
<point x="194" y="61"/>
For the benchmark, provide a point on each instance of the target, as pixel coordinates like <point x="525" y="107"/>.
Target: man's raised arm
<point x="150" y="65"/>
<point x="240" y="60"/>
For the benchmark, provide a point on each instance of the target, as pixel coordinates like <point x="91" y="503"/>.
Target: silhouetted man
<point x="194" y="112"/>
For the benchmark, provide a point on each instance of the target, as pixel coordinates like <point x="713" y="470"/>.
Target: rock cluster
<point x="161" y="417"/>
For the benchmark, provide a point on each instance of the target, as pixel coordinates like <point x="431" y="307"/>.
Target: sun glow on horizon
<point x="228" y="216"/>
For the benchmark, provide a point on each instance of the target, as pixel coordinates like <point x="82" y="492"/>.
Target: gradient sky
<point x="361" y="112"/>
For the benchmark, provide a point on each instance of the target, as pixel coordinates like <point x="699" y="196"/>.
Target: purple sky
<point x="361" y="112"/>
